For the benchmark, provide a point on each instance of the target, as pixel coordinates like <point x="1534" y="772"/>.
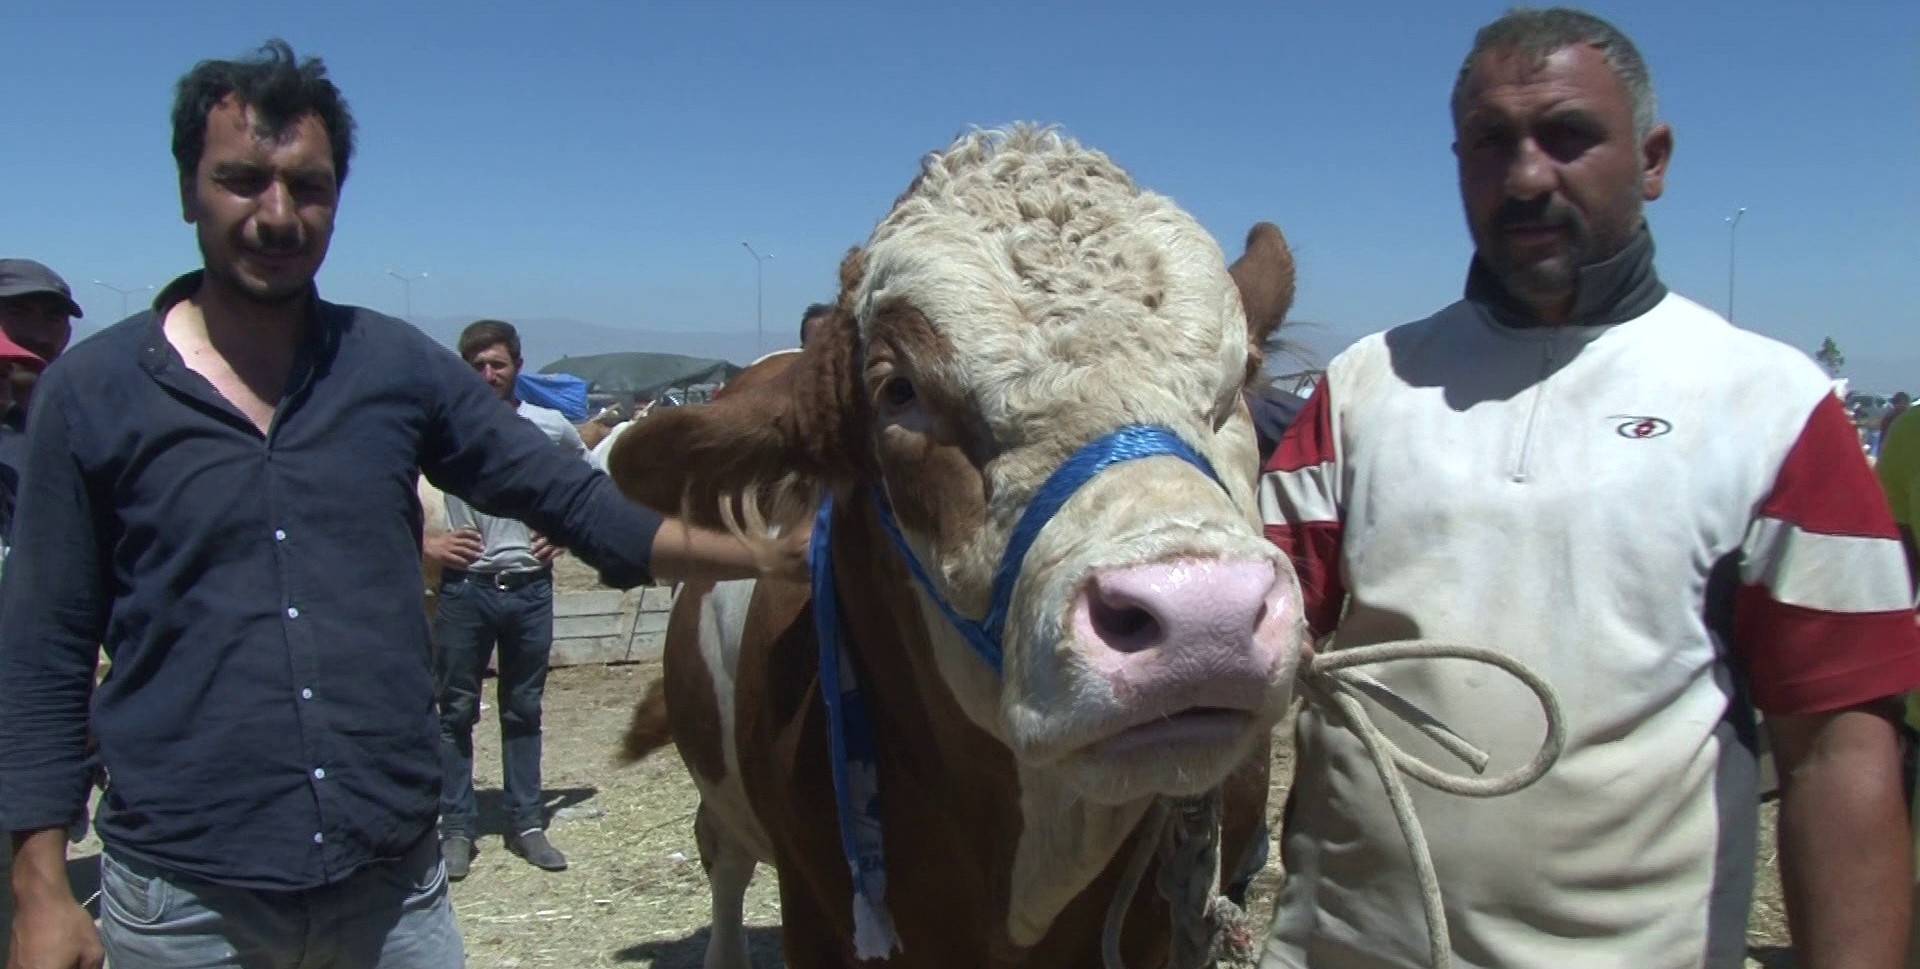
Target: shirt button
<point x="319" y="838"/>
<point x="279" y="534"/>
<point x="306" y="694"/>
<point x="319" y="773"/>
<point x="293" y="613"/>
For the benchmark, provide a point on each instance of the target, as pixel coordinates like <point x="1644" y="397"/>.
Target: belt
<point x="503" y="581"/>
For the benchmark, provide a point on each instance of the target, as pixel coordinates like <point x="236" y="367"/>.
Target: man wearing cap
<point x="13" y="358"/>
<point x="36" y="311"/>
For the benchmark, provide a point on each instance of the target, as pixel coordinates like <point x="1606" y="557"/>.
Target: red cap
<point x="11" y="352"/>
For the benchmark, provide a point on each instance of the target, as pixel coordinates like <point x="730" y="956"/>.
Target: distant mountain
<point x="546" y="339"/>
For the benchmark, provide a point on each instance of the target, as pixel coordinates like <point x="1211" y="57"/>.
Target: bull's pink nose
<point x="1200" y="605"/>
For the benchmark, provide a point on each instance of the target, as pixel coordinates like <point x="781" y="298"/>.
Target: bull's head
<point x="1022" y="299"/>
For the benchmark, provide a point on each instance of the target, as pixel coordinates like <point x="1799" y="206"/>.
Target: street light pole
<point x="759" y="262"/>
<point x="1733" y="230"/>
<point x="406" y="285"/>
<point x="124" y="293"/>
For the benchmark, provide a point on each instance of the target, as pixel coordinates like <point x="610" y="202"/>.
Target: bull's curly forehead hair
<point x="280" y="89"/>
<point x="1539" y="33"/>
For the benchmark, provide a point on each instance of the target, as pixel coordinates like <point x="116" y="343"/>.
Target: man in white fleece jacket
<point x="1667" y="517"/>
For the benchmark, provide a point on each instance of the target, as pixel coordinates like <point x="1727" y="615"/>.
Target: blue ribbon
<point x="856" y="768"/>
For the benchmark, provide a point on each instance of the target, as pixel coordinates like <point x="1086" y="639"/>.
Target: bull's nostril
<point x="1123" y="626"/>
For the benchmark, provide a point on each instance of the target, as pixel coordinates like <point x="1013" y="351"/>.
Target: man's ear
<point x="1655" y="152"/>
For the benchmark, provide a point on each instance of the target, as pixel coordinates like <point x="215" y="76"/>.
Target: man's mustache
<point x="1537" y="213"/>
<point x="275" y="244"/>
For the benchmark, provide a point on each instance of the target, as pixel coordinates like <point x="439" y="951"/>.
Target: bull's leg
<point x="729" y="866"/>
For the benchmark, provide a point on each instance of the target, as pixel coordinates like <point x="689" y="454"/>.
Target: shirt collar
<point x="1614" y="290"/>
<point x="323" y="334"/>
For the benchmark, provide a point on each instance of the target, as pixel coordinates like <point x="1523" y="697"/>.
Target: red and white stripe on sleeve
<point x="1300" y="503"/>
<point x="1824" y="616"/>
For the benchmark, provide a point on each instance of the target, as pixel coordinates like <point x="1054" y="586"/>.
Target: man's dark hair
<point x="816" y="310"/>
<point x="1540" y="33"/>
<point x="482" y="334"/>
<point x="280" y="89"/>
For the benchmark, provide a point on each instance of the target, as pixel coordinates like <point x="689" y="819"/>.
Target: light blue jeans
<point x="390" y="915"/>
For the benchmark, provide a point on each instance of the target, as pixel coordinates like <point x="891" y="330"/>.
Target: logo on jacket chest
<point x="1639" y="427"/>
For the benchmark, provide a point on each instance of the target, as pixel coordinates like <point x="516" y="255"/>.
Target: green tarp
<point x="642" y="376"/>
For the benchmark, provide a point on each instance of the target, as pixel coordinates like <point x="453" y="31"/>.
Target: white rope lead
<point x="1332" y="681"/>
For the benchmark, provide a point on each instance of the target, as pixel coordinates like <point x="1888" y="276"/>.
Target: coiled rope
<point x="1185" y="832"/>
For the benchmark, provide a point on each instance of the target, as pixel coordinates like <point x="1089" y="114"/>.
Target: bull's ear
<point x="1264" y="275"/>
<point x="797" y="430"/>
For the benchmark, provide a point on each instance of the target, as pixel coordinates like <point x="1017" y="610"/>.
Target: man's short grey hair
<point x="1539" y="33"/>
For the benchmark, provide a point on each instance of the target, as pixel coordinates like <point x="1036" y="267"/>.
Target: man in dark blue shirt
<point x="221" y="491"/>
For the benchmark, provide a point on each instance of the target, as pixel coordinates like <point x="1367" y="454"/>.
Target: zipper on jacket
<point x="1523" y="465"/>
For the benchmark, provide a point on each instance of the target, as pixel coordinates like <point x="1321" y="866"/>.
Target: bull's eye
<point x="897" y="392"/>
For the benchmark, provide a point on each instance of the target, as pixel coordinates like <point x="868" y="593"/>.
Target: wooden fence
<point x="609" y="626"/>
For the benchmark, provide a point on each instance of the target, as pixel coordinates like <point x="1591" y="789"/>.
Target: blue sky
<point x="603" y="161"/>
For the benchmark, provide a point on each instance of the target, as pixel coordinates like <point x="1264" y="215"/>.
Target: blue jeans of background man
<point x="475" y="618"/>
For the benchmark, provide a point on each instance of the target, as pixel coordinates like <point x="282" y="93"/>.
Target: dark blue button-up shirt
<point x="267" y="720"/>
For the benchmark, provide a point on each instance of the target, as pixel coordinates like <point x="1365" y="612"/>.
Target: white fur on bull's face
<point x="1022" y="300"/>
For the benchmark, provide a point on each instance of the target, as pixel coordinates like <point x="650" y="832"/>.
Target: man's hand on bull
<point x="456" y="549"/>
<point x="688" y="553"/>
<point x="544" y="550"/>
<point x="785" y="558"/>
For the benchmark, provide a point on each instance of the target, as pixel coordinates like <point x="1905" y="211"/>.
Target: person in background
<point x="1273" y="411"/>
<point x="811" y="320"/>
<point x="496" y="592"/>
<point x="13" y="357"/>
<point x="36" y="321"/>
<point x="221" y="490"/>
<point x="1895" y="407"/>
<point x="37" y="311"/>
<point x="1898" y="469"/>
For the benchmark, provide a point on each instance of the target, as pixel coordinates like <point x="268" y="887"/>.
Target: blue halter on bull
<point x="855" y="776"/>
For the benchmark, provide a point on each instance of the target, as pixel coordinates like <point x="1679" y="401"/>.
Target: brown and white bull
<point x="1022" y="299"/>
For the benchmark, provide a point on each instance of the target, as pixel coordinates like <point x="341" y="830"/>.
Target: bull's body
<point x="1011" y="799"/>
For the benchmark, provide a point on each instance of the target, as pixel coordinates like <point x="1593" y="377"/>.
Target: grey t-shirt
<point x="509" y="544"/>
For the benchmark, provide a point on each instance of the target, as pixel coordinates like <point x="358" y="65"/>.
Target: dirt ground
<point x="634" y="895"/>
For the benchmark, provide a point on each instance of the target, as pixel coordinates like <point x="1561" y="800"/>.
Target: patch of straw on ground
<point x="634" y="893"/>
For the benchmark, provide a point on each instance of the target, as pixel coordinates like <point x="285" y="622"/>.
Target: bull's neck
<point x="1034" y="845"/>
<point x="910" y="705"/>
